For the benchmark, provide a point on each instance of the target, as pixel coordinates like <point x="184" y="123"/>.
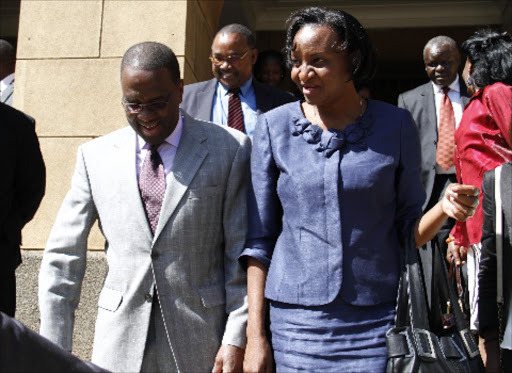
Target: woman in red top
<point x="482" y="140"/>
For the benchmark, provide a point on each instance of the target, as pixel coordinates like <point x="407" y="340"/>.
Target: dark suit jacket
<point x="421" y="104"/>
<point x="488" y="310"/>
<point x="23" y="350"/>
<point x="198" y="98"/>
<point x="23" y="181"/>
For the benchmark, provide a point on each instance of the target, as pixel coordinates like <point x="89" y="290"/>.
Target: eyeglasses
<point x="232" y="59"/>
<point x="135" y="108"/>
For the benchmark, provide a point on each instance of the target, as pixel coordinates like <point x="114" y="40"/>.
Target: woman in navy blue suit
<point x="336" y="199"/>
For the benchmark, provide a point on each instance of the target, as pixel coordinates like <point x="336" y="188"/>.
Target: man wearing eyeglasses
<point x="219" y="100"/>
<point x="169" y="193"/>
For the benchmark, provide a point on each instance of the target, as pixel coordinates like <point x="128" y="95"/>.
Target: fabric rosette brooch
<point x="330" y="141"/>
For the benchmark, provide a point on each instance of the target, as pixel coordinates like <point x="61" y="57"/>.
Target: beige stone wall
<point x="67" y="75"/>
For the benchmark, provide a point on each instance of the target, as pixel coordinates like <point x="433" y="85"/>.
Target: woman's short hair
<point x="490" y="53"/>
<point x="352" y="38"/>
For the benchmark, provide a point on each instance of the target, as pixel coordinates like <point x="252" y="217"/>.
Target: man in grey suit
<point x="442" y="62"/>
<point x="233" y="55"/>
<point x="169" y="193"/>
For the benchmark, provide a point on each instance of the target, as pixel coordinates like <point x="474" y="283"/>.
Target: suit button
<point x="148" y="297"/>
<point x="155" y="255"/>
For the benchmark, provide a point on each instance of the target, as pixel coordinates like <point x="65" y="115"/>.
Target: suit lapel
<point x="189" y="157"/>
<point x="430" y="105"/>
<point x="506" y="195"/>
<point x="205" y="100"/>
<point x="127" y="177"/>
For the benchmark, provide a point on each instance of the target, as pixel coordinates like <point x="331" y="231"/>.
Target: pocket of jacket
<point x="110" y="299"/>
<point x="212" y="296"/>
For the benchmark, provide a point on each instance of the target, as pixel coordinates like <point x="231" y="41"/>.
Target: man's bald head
<point x="442" y="60"/>
<point x="151" y="55"/>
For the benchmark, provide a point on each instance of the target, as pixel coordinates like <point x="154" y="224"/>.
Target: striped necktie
<point x="235" y="114"/>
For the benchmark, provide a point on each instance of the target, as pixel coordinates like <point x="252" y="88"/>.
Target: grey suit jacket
<point x="198" y="98"/>
<point x="420" y="102"/>
<point x="192" y="260"/>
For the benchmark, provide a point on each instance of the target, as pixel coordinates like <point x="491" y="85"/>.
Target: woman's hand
<point x="460" y="201"/>
<point x="258" y="355"/>
<point x="459" y="253"/>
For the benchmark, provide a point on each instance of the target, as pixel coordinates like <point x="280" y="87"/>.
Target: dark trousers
<point x="426" y="251"/>
<point x="8" y="293"/>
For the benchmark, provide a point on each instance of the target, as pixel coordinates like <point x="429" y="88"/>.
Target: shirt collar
<point x="7" y="81"/>
<point x="173" y="139"/>
<point x="244" y="87"/>
<point x="454" y="86"/>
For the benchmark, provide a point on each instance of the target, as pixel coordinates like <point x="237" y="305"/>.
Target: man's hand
<point x="229" y="359"/>
<point x="258" y="356"/>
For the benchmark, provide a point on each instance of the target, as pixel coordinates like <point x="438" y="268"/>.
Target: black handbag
<point x="414" y="345"/>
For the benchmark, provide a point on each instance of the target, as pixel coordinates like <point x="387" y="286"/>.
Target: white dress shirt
<point x="167" y="150"/>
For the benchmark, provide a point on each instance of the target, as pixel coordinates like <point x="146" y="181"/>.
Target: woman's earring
<point x="469" y="82"/>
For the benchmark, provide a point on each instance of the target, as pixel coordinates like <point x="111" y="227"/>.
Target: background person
<point x="270" y="68"/>
<point x="436" y="108"/>
<point x="21" y="191"/>
<point x="336" y="198"/>
<point x="233" y="56"/>
<point x="7" y="65"/>
<point x="482" y="140"/>
<point x="489" y="318"/>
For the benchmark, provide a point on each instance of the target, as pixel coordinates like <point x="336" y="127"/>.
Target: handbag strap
<point x="499" y="234"/>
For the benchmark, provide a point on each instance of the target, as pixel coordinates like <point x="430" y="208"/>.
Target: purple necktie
<point x="152" y="185"/>
<point x="235" y="114"/>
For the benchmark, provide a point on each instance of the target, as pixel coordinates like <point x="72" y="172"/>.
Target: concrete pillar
<point x="67" y="78"/>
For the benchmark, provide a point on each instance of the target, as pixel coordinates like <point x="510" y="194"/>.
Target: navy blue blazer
<point x="330" y="211"/>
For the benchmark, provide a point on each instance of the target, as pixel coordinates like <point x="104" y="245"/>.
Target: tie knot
<point x="234" y="91"/>
<point x="446" y="90"/>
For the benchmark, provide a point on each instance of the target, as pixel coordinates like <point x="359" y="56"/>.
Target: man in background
<point x="7" y="64"/>
<point x="21" y="191"/>
<point x="233" y="97"/>
<point x="437" y="108"/>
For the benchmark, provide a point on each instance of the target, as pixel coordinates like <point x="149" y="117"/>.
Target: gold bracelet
<point x="450" y="239"/>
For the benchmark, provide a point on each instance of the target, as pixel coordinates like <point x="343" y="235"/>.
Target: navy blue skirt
<point x="337" y="337"/>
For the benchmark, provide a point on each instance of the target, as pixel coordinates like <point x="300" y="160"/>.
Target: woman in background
<point x="336" y="200"/>
<point x="270" y="68"/>
<point x="482" y="140"/>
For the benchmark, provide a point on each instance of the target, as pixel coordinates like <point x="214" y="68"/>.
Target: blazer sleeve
<point x="235" y="230"/>
<point x="409" y="188"/>
<point x="30" y="179"/>
<point x="264" y="205"/>
<point x="487" y="306"/>
<point x="64" y="259"/>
